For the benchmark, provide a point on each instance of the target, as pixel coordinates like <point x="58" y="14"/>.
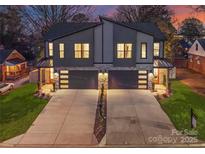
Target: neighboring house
<point x="185" y="46"/>
<point x="12" y="64"/>
<point x="196" y="53"/>
<point x="181" y="53"/>
<point x="120" y="55"/>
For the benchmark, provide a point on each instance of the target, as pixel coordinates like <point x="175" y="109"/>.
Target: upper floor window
<point x="81" y="50"/>
<point x="50" y="49"/>
<point x="197" y="47"/>
<point x="156" y="49"/>
<point x="143" y="50"/>
<point x="61" y="50"/>
<point x="124" y="50"/>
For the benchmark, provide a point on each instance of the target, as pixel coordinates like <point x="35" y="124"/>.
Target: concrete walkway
<point x="134" y="117"/>
<point x="68" y="119"/>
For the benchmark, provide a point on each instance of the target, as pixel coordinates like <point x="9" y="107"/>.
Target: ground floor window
<point x="142" y="79"/>
<point x="63" y="79"/>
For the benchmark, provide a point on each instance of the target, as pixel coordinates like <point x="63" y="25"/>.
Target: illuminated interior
<point x="103" y="80"/>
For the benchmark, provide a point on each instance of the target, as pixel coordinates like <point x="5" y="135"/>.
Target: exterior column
<point x="167" y="80"/>
<point x="3" y="73"/>
<point x="39" y="79"/>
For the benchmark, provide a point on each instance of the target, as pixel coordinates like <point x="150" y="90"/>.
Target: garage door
<point x="122" y="80"/>
<point x="63" y="79"/>
<point x="83" y="79"/>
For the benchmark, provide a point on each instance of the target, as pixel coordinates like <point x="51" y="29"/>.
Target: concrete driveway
<point x="134" y="117"/>
<point x="68" y="119"/>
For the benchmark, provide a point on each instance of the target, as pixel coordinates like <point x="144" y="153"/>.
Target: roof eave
<point x="55" y="38"/>
<point x="122" y="24"/>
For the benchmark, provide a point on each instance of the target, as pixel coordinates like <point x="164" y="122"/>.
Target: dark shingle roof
<point x="4" y="54"/>
<point x="202" y="42"/>
<point x="185" y="44"/>
<point x="63" y="29"/>
<point x="149" y="27"/>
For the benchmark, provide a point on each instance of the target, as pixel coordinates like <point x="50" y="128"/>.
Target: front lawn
<point x="18" y="109"/>
<point x="179" y="105"/>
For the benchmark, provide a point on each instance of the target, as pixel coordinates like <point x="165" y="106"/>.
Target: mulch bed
<point x="100" y="118"/>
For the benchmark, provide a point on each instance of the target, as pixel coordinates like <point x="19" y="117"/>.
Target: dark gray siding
<point x="122" y="80"/>
<point x="124" y="35"/>
<point x="83" y="79"/>
<point x="86" y="36"/>
<point x="161" y="49"/>
<point x="98" y="45"/>
<point x="141" y="37"/>
<point x="107" y="41"/>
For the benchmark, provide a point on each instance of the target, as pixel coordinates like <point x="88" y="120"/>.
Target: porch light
<point x="56" y="74"/>
<point x="100" y="74"/>
<point x="151" y="76"/>
<point x="104" y="74"/>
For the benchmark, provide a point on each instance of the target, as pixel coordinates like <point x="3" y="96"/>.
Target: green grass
<point x="18" y="109"/>
<point x="178" y="108"/>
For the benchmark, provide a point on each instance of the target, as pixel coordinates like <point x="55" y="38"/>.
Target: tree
<point x="11" y="28"/>
<point x="143" y="13"/>
<point x="200" y="8"/>
<point x="80" y="17"/>
<point x="158" y="14"/>
<point x="40" y="18"/>
<point x="191" y="28"/>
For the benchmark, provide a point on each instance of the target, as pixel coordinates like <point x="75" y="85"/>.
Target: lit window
<point x="156" y="71"/>
<point x="156" y="49"/>
<point x="51" y="73"/>
<point x="50" y="49"/>
<point x="61" y="50"/>
<point x="64" y="71"/>
<point x="124" y="50"/>
<point x="143" y="50"/>
<point x="81" y="50"/>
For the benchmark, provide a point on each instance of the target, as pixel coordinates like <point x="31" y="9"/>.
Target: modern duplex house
<point x="118" y="55"/>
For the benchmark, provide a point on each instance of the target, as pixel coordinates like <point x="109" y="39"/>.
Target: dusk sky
<point x="181" y="12"/>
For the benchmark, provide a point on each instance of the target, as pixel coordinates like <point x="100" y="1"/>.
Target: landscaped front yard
<point x="178" y="107"/>
<point x="18" y="109"/>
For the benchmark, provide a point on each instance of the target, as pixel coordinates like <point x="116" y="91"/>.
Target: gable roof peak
<point x="202" y="42"/>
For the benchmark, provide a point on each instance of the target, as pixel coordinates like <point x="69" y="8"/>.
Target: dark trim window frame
<point x="123" y="51"/>
<point x="141" y="52"/>
<point x="61" y="50"/>
<point x="197" y="47"/>
<point x="50" y="49"/>
<point x="156" y="49"/>
<point x="80" y="52"/>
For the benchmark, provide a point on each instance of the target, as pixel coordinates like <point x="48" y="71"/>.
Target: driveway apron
<point x="68" y="119"/>
<point x="134" y="117"/>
